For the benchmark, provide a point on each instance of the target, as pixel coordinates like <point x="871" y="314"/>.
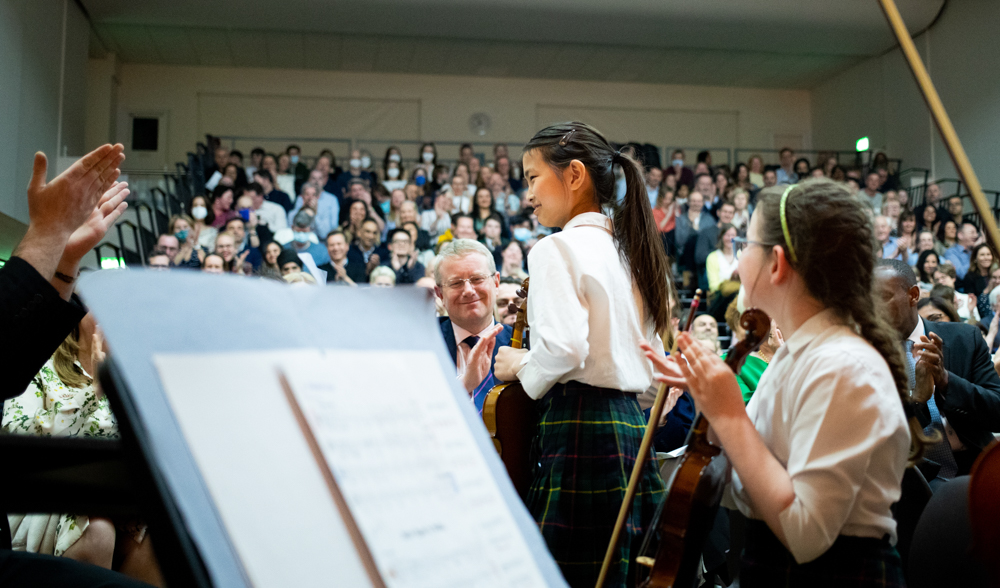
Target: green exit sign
<point x="862" y="144"/>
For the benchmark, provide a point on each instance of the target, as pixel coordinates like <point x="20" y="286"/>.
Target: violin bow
<point x="941" y="119"/>
<point x="640" y="460"/>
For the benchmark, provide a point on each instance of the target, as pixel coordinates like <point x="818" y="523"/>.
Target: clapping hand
<point x="478" y="366"/>
<point x="69" y="200"/>
<point x="87" y="235"/>
<point x="929" y="367"/>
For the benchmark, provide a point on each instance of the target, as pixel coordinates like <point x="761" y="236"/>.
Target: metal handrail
<point x="135" y="236"/>
<point x="117" y="249"/>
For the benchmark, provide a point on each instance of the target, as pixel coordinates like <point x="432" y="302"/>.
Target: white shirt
<point x="213" y="181"/>
<point x="585" y="313"/>
<point x="828" y="410"/>
<point x="434" y="226"/>
<point x="463" y="351"/>
<point x="273" y="216"/>
<point x="286" y="183"/>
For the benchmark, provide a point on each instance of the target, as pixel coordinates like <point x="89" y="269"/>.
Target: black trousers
<point x="18" y="568"/>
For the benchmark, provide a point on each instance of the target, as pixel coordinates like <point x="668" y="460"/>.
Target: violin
<point x="671" y="551"/>
<point x="510" y="415"/>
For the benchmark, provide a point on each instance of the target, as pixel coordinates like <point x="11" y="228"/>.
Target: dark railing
<point x="130" y="256"/>
<point x="148" y="234"/>
<point x="118" y="254"/>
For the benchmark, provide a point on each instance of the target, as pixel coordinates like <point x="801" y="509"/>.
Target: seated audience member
<point x="770" y="178"/>
<point x="158" y="260"/>
<point x="339" y="270"/>
<point x="957" y="392"/>
<point x="366" y="248"/>
<point x="393" y="219"/>
<point x="507" y="295"/>
<point x="402" y="259"/>
<point x="467" y="283"/>
<point x="395" y="176"/>
<point x="437" y="220"/>
<point x="722" y="262"/>
<point x="707" y="240"/>
<point x="654" y="177"/>
<point x="513" y="261"/>
<point x="408" y="214"/>
<point x="947" y="234"/>
<point x="284" y="178"/>
<point x="382" y="277"/>
<point x="269" y="267"/>
<point x="786" y="172"/>
<point x="269" y="214"/>
<point x="705" y="329"/>
<point x="741" y="210"/>
<point x="689" y="226"/>
<point x="665" y="216"/>
<point x="304" y="239"/>
<point x="226" y="248"/>
<point x="492" y="237"/>
<point x="356" y="171"/>
<point x="755" y="364"/>
<point x="214" y="171"/>
<point x="356" y="214"/>
<point x="870" y="194"/>
<point x="214" y="264"/>
<point x="954" y="209"/>
<point x="462" y="227"/>
<point x="299" y="278"/>
<point x="271" y="195"/>
<point x="938" y="310"/>
<point x="960" y="254"/>
<point x="507" y="173"/>
<point x="246" y="243"/>
<point x="202" y="229"/>
<point x="360" y="191"/>
<point x="677" y="169"/>
<point x="420" y="240"/>
<point x="289" y="262"/>
<point x="483" y="209"/>
<point x="223" y="198"/>
<point x="981" y="266"/>
<point x="927" y="264"/>
<point x="457" y="190"/>
<point x="965" y="305"/>
<point x="190" y="254"/>
<point x="945" y="275"/>
<point x="927" y="217"/>
<point x="325" y="210"/>
<point x="168" y="243"/>
<point x="883" y="234"/>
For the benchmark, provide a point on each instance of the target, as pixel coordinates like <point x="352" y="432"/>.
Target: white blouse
<point x="828" y="410"/>
<point x="585" y="313"/>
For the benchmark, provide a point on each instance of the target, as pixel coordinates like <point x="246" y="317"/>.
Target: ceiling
<point x="747" y="43"/>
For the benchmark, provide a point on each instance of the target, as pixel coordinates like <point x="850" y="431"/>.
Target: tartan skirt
<point x="851" y="562"/>
<point x="587" y="442"/>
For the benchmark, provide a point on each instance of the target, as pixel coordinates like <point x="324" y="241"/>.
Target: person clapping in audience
<point x="402" y="259"/>
<point x="304" y="240"/>
<point x="340" y="270"/>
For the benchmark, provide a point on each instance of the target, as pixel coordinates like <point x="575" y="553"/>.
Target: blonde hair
<point x="299" y="278"/>
<point x="64" y="362"/>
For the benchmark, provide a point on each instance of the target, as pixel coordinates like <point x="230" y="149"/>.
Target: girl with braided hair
<point x="819" y="452"/>
<point x="597" y="287"/>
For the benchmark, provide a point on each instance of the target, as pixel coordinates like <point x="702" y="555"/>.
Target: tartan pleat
<point x="587" y="442"/>
<point x="851" y="562"/>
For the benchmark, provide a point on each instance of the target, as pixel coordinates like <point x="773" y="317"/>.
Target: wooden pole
<point x="951" y="142"/>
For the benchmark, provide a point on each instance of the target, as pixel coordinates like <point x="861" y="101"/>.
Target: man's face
<point x="368" y="235"/>
<point x="310" y="197"/>
<point x="678" y="156"/>
<point x="236" y="229"/>
<point x="225" y="247"/>
<point x="900" y="303"/>
<point x="458" y="185"/>
<point x="169" y="244"/>
<point x="464" y="228"/>
<point x="336" y="246"/>
<point x="770" y="178"/>
<point x="400" y="244"/>
<point x="221" y="157"/>
<point x="290" y="268"/>
<point x="968" y="235"/>
<point x="787" y="158"/>
<point x="322" y="166"/>
<point x="726" y="213"/>
<point x="654" y="177"/>
<point x="705" y="187"/>
<point x="955" y="206"/>
<point x="933" y="193"/>
<point x="695" y="202"/>
<point x="213" y="265"/>
<point x="492" y="230"/>
<point x="263" y="181"/>
<point x="944" y="279"/>
<point x="467" y="305"/>
<point x="506" y="294"/>
<point x="317" y="177"/>
<point x="357" y="192"/>
<point x="705" y="324"/>
<point x="872" y="182"/>
<point x="159" y="262"/>
<point x="882" y="229"/>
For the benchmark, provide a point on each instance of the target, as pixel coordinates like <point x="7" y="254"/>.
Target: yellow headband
<point x="784" y="223"/>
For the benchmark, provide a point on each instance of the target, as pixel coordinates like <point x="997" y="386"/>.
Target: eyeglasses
<point x="476" y="281"/>
<point x="741" y="243"/>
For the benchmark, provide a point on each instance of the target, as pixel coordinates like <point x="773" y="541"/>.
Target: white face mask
<point x="355" y="163"/>
<point x="393" y="172"/>
<point x="395" y="157"/>
<point x="365" y="161"/>
<point x="428" y="156"/>
<point x="199" y="212"/>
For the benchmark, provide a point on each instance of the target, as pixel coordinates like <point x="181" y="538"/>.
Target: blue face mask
<point x="294" y="159"/>
<point x="522" y="234"/>
<point x="384" y="206"/>
<point x="301" y="237"/>
<point x="678" y="162"/>
<point x="182" y="235"/>
<point x="420" y="181"/>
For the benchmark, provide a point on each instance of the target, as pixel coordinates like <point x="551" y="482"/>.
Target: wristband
<point x="68" y="279"/>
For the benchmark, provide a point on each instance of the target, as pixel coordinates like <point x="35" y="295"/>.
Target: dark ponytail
<point x="834" y="243"/>
<point x="635" y="233"/>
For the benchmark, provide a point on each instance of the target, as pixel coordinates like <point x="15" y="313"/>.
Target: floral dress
<point x="51" y="408"/>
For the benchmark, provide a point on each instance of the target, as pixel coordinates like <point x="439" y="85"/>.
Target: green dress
<point x="749" y="376"/>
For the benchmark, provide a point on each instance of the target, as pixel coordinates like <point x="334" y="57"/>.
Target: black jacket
<point x="971" y="401"/>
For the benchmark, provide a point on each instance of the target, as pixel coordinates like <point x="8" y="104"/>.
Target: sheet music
<point x="416" y="483"/>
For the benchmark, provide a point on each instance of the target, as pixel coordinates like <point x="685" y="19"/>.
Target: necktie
<point x="471" y="341"/>
<point x="938" y="452"/>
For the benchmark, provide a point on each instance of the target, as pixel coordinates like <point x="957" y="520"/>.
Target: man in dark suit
<point x="68" y="217"/>
<point x="467" y="282"/>
<point x="954" y="384"/>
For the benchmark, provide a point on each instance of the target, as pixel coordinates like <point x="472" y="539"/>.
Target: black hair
<point x="635" y="234"/>
<point x="219" y="191"/>
<point x="899" y="269"/>
<point x="920" y="265"/>
<point x="237" y="153"/>
<point x="293" y="146"/>
<point x="253" y="187"/>
<point x="455" y="217"/>
<point x="941" y="304"/>
<point x="264" y="174"/>
<point x="703" y="157"/>
<point x="257" y="151"/>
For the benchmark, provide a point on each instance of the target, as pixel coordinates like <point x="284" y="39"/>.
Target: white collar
<point x="594" y="219"/>
<point x="918" y="331"/>
<point x="461" y="334"/>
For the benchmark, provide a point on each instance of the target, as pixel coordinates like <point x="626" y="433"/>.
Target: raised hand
<point x="67" y="201"/>
<point x="929" y="366"/>
<point x="480" y="359"/>
<point x="110" y="207"/>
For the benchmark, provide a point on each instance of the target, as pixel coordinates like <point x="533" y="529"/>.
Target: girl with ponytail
<point x="819" y="452"/>
<point x="597" y="287"/>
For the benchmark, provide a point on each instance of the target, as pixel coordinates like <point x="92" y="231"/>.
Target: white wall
<point x="377" y="108"/>
<point x="31" y="61"/>
<point x="880" y="99"/>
